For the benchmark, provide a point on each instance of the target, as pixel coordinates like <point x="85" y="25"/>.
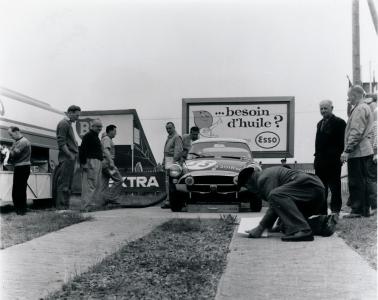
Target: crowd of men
<point x="293" y="196"/>
<point x="96" y="159"/>
<point x="97" y="165"/>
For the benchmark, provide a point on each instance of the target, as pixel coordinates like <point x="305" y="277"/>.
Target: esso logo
<point x="200" y="164"/>
<point x="267" y="140"/>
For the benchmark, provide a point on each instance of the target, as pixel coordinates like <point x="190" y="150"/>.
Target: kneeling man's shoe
<point x="300" y="236"/>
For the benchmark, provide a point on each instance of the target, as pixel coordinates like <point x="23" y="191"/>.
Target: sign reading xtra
<point x="143" y="181"/>
<point x="263" y="125"/>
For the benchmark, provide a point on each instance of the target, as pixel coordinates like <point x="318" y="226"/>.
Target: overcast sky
<point x="148" y="55"/>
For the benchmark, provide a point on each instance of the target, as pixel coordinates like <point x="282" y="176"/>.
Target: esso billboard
<point x="267" y="123"/>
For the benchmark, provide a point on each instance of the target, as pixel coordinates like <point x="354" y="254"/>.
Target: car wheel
<point x="256" y="204"/>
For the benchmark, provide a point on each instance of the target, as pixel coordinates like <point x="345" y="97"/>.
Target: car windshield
<point x="220" y="149"/>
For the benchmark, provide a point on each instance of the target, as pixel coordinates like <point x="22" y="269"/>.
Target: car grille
<point x="213" y="184"/>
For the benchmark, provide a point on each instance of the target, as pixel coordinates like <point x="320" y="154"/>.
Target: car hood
<point x="215" y="164"/>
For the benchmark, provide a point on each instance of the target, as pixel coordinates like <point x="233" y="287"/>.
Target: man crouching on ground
<point x="293" y="196"/>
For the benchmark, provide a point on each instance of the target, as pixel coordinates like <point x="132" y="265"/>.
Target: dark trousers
<point x="372" y="183"/>
<point x="294" y="202"/>
<point x="63" y="176"/>
<point x="20" y="181"/>
<point x="330" y="175"/>
<point x="358" y="184"/>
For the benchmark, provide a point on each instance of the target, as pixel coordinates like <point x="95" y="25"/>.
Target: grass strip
<point x="16" y="229"/>
<point x="181" y="259"/>
<point x="361" y="235"/>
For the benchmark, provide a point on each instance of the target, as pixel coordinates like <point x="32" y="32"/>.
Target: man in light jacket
<point x="372" y="170"/>
<point x="111" y="195"/>
<point x="358" y="152"/>
<point x="172" y="153"/>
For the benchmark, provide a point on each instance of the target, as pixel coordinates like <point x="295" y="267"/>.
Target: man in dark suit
<point x="329" y="145"/>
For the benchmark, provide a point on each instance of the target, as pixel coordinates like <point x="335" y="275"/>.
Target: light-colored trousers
<point x="91" y="184"/>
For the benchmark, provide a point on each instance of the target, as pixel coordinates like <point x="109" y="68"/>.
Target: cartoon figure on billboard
<point x="205" y="122"/>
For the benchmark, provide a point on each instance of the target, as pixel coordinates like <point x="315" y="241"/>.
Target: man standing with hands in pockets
<point x="68" y="150"/>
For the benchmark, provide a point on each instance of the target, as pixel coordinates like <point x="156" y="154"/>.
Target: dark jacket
<point x="90" y="147"/>
<point x="298" y="186"/>
<point x="329" y="141"/>
<point x="264" y="182"/>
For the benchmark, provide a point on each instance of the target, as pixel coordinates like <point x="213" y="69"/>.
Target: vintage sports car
<point x="210" y="174"/>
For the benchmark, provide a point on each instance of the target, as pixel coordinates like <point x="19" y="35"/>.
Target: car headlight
<point x="175" y="170"/>
<point x="189" y="180"/>
<point x="235" y="180"/>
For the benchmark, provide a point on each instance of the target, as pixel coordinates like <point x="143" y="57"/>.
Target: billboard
<point x="267" y="123"/>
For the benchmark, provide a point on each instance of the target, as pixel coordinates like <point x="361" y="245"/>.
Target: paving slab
<point x="268" y="268"/>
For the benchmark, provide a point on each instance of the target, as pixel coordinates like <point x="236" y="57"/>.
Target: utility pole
<point x="356" y="42"/>
<point x="356" y="72"/>
<point x="373" y="13"/>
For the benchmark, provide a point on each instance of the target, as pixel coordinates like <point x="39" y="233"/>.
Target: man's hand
<point x="67" y="151"/>
<point x="255" y="232"/>
<point x="344" y="157"/>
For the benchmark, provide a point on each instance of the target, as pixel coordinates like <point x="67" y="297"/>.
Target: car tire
<point x="255" y="204"/>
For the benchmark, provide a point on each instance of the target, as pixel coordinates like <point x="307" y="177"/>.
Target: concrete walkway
<point x="256" y="269"/>
<point x="268" y="268"/>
